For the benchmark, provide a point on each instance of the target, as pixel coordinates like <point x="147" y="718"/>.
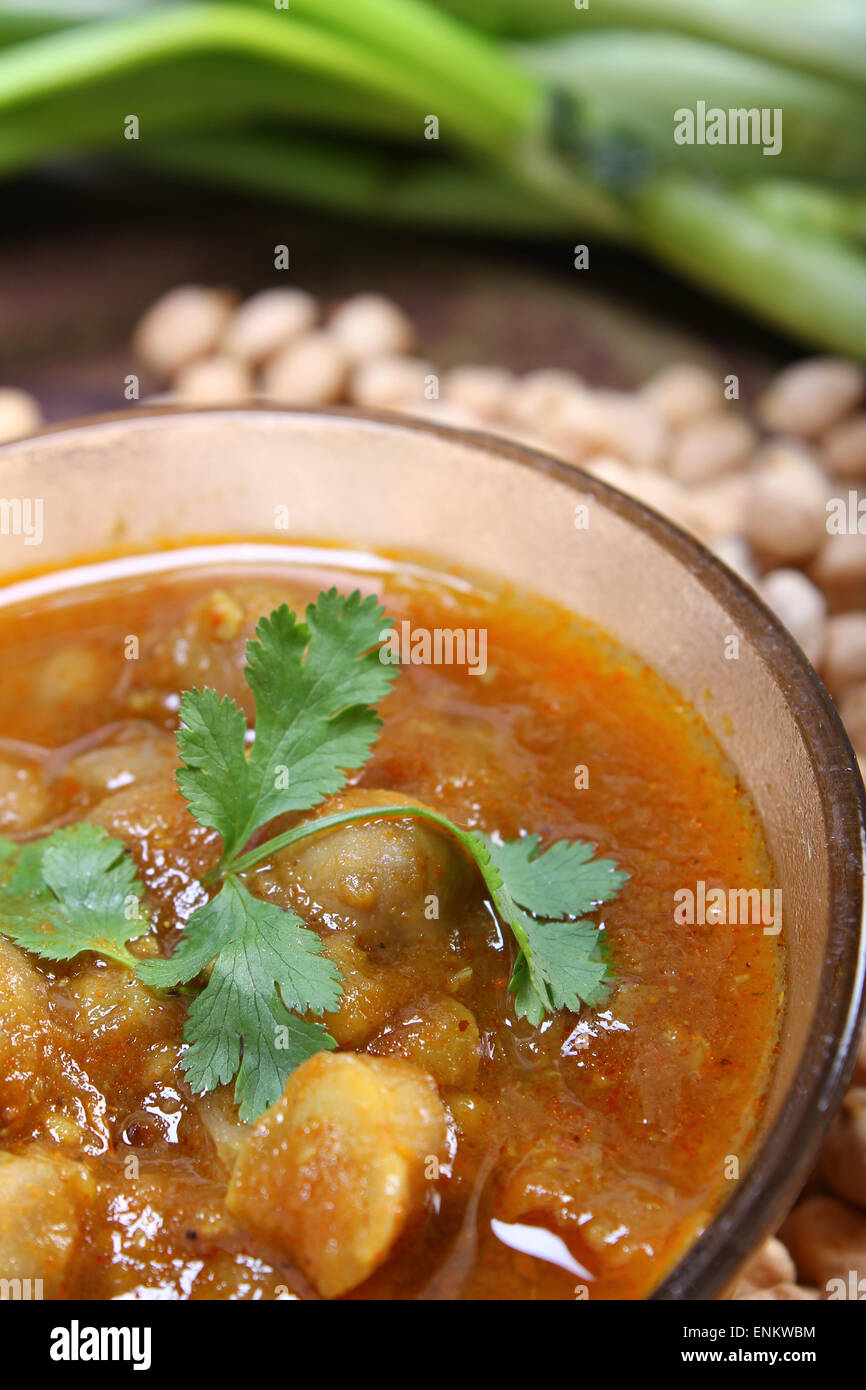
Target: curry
<point x="445" y="1148"/>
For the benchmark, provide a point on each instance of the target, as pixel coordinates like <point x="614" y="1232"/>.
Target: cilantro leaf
<point x="72" y="891"/>
<point x="266" y="962"/>
<point x="560" y="964"/>
<point x="314" y="684"/>
<point x="564" y="880"/>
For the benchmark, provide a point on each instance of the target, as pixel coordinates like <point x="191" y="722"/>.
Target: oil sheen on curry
<point x="441" y="1147"/>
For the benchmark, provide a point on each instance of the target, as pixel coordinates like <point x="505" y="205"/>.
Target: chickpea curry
<point x="342" y="960"/>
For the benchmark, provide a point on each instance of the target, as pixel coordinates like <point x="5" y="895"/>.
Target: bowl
<point x="472" y="503"/>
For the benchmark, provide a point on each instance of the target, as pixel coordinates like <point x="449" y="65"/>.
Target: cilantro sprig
<point x="315" y="684"/>
<point x="71" y="891"/>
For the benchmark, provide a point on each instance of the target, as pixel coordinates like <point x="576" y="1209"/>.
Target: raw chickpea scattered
<point x="841" y="561"/>
<point x="844" y="659"/>
<point x="213" y="381"/>
<point x="20" y="413"/>
<point x="269" y="322"/>
<point x="780" y="1293"/>
<point x="312" y="371"/>
<point x="711" y="446"/>
<point x="735" y="553"/>
<point x="391" y="382"/>
<point x="186" y="323"/>
<point x="845" y="448"/>
<point x="852" y="708"/>
<point x="786" y="505"/>
<point x="827" y="1239"/>
<point x="682" y="393"/>
<point x="719" y="508"/>
<point x="539" y="394"/>
<point x="842" y="1165"/>
<point x="800" y="605"/>
<point x="812" y="395"/>
<point x="485" y="391"/>
<point x="369" y="325"/>
<point x="770" y="1265"/>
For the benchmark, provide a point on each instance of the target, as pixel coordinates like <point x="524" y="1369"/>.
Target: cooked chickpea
<point x="438" y="1034"/>
<point x="24" y="800"/>
<point x="20" y="413"/>
<point x="184" y="324"/>
<point x="332" y="1173"/>
<point x="682" y="393"/>
<point x="369" y="325"/>
<point x="800" y="605"/>
<point x="370" y="994"/>
<point x="43" y="1196"/>
<point x="390" y="879"/>
<point x="811" y="396"/>
<point x="786" y="505"/>
<point x="267" y="323"/>
<point x="391" y="383"/>
<point x="74" y="676"/>
<point x="312" y="371"/>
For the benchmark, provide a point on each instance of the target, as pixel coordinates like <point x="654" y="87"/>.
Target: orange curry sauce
<point x="584" y="1155"/>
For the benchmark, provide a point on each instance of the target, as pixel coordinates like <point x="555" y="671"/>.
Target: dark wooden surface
<point x="80" y="260"/>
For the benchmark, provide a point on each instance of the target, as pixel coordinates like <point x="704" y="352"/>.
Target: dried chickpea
<point x="735" y="553"/>
<point x="811" y="396"/>
<point x="538" y="395"/>
<point x="682" y="393"/>
<point x="827" y="1239"/>
<point x="800" y="605"/>
<point x="213" y="381"/>
<point x="841" y="561"/>
<point x="268" y="322"/>
<point x="719" y="508"/>
<point x="391" y="382"/>
<point x="710" y="447"/>
<point x="183" y="324"/>
<point x="852" y="708"/>
<point x="485" y="391"/>
<point x="844" y="659"/>
<point x="20" y="413"/>
<point x="771" y="1264"/>
<point x="786" y="515"/>
<point x="369" y="325"/>
<point x="311" y="371"/>
<point x="779" y="1293"/>
<point x="842" y="1164"/>
<point x="845" y="448"/>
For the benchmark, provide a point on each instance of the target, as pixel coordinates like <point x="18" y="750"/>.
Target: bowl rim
<point x="778" y="1167"/>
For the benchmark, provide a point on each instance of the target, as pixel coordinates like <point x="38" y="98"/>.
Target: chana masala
<point x="413" y="1112"/>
